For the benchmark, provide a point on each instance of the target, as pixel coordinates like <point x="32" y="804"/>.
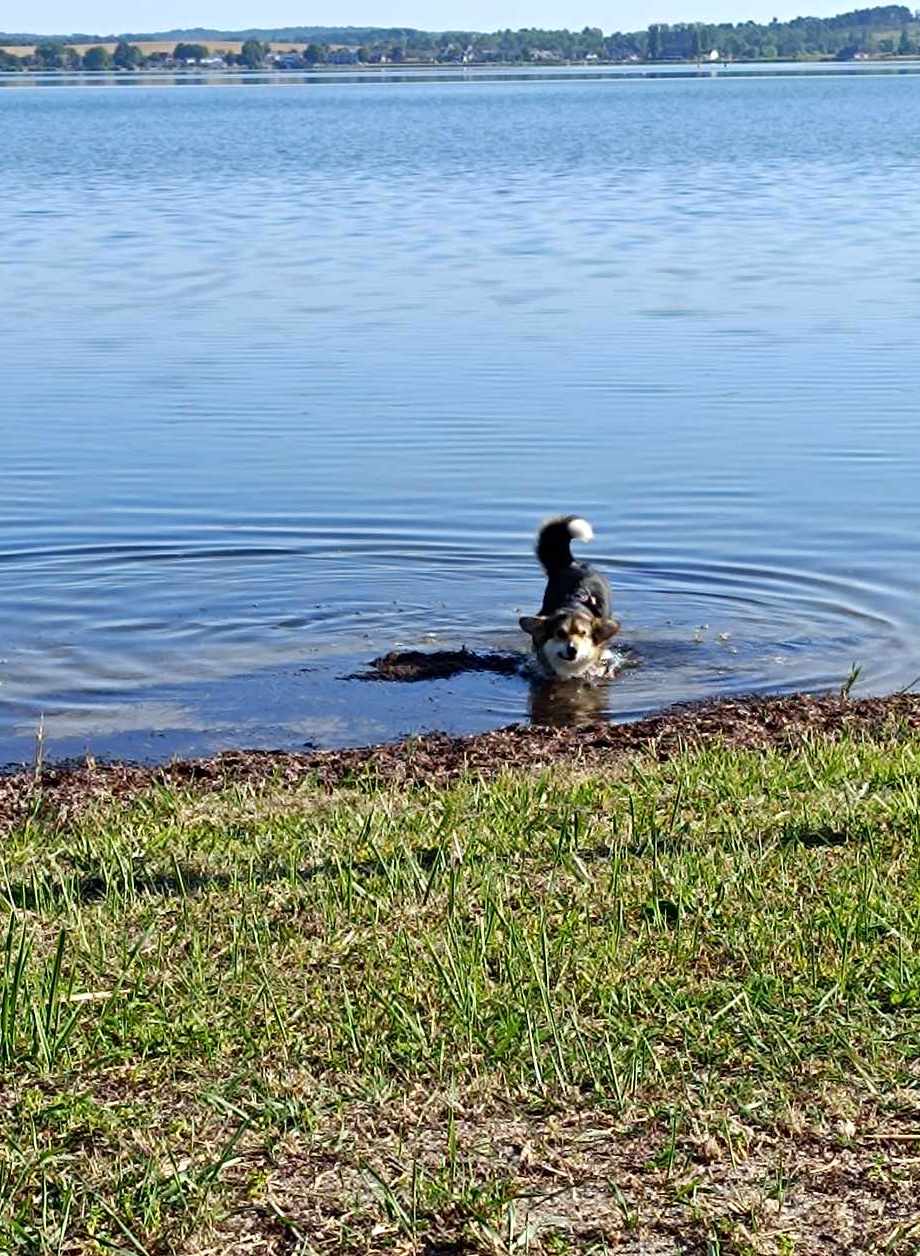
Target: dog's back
<point x="570" y="584"/>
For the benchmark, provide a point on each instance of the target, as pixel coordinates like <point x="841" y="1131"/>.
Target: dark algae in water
<point x="412" y="665"/>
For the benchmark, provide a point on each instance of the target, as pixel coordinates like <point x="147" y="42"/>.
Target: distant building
<point x="453" y="54"/>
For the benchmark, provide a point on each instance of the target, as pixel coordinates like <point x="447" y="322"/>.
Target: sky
<point x="105" y="16"/>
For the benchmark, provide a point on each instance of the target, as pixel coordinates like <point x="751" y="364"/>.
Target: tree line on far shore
<point x="885" y="30"/>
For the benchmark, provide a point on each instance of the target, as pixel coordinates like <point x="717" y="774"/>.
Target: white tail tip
<point x="580" y="530"/>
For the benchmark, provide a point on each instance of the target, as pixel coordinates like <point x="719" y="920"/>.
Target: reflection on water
<point x="555" y="703"/>
<point x="454" y="74"/>
<point x="290" y="376"/>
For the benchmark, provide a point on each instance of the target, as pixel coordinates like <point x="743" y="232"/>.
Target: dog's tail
<point x="554" y="541"/>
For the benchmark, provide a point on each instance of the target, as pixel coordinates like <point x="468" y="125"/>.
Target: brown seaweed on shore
<point x="412" y="665"/>
<point x="59" y="792"/>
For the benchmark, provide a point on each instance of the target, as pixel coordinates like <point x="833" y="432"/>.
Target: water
<point x="291" y="372"/>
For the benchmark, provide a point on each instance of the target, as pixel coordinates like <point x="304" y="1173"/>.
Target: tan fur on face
<point x="553" y="635"/>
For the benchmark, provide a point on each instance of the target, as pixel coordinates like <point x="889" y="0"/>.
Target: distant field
<point x="167" y="45"/>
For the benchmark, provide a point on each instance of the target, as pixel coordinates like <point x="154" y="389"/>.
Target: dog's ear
<point x="533" y="625"/>
<point x="604" y="629"/>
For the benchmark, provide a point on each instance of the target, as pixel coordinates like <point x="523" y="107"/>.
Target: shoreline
<point x="58" y="791"/>
<point x="447" y="66"/>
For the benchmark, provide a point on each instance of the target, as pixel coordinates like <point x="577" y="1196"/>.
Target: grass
<point x="664" y="1007"/>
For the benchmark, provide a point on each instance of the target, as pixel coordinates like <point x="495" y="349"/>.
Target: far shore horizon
<point x="882" y="32"/>
<point x="159" y="48"/>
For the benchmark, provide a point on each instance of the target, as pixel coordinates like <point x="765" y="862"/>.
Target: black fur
<point x="570" y="585"/>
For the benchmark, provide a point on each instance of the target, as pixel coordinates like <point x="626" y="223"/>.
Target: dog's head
<point x="570" y="643"/>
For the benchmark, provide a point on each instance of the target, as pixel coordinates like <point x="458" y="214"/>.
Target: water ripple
<point x="291" y="375"/>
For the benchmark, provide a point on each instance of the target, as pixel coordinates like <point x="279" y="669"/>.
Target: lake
<point x="291" y="370"/>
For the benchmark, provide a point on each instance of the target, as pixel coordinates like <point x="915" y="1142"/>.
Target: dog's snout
<point x="571" y="651"/>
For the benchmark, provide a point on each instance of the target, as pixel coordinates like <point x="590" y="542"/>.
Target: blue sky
<point x="63" y="16"/>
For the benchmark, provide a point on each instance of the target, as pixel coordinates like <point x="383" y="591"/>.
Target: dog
<point x="575" y="623"/>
